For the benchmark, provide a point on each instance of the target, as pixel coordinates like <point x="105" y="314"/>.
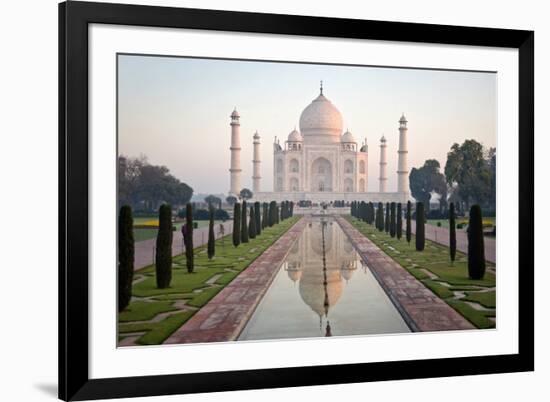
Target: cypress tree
<point x="125" y="256"/>
<point x="252" y="224"/>
<point x="392" y="220"/>
<point x="399" y="224"/>
<point x="244" y="225"/>
<point x="420" y="228"/>
<point x="236" y="224"/>
<point x="371" y="213"/>
<point x="271" y="213"/>
<point x="452" y="232"/>
<point x="291" y="208"/>
<point x="257" y="218"/>
<point x="380" y="213"/>
<point x="211" y="236"/>
<point x="189" y="255"/>
<point x="387" y="220"/>
<point x="163" y="256"/>
<point x="282" y="212"/>
<point x="276" y="214"/>
<point x="476" y="246"/>
<point x="265" y="217"/>
<point x="408" y="223"/>
<point x="352" y="212"/>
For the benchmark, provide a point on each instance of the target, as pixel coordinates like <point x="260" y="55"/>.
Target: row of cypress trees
<point x="260" y="218"/>
<point x="391" y="221"/>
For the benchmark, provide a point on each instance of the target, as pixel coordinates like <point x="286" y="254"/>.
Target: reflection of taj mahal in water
<point x="321" y="286"/>
<point x="319" y="162"/>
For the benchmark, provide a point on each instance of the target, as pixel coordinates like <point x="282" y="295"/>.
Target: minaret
<point x="256" y="164"/>
<point x="402" y="169"/>
<point x="235" y="186"/>
<point x="383" y="164"/>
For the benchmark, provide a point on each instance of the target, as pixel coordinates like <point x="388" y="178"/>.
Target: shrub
<point x="452" y="232"/>
<point x="125" y="256"/>
<point x="399" y="223"/>
<point x="420" y="226"/>
<point x="476" y="246"/>
<point x="211" y="236"/>
<point x="408" y="223"/>
<point x="163" y="255"/>
<point x="236" y="224"/>
<point x="189" y="247"/>
<point x="244" y="226"/>
<point x="392" y="220"/>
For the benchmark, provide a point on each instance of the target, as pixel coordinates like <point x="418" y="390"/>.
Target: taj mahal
<point x="320" y="163"/>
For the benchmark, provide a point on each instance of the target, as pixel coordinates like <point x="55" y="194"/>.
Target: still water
<point x="312" y="296"/>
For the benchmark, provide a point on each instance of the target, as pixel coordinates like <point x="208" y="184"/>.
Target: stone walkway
<point x="420" y="308"/>
<point x="223" y="318"/>
<point x="441" y="235"/>
<point x="145" y="250"/>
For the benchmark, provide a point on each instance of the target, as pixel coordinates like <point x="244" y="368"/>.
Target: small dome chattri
<point x="295" y="136"/>
<point x="348" y="137"/>
<point x="235" y="114"/>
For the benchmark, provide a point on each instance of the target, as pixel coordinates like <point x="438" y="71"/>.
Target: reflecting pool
<point x="323" y="289"/>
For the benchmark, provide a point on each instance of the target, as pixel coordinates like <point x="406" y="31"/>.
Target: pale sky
<point x="176" y="111"/>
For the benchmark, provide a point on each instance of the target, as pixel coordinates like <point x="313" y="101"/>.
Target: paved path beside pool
<point x="223" y="318"/>
<point x="441" y="235"/>
<point x="145" y="249"/>
<point x="421" y="309"/>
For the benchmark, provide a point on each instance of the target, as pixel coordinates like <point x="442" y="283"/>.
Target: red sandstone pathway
<point x="419" y="307"/>
<point x="223" y="318"/>
<point x="441" y="235"/>
<point x="145" y="250"/>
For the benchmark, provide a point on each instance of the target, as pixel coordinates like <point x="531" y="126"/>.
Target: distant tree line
<point x="145" y="187"/>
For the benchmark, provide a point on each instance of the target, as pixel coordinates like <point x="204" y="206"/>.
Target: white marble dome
<point x="321" y="122"/>
<point x="295" y="136"/>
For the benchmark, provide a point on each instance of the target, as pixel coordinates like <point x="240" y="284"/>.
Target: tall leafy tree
<point x="427" y="180"/>
<point x="246" y="194"/>
<point x="163" y="255"/>
<point x="189" y="246"/>
<point x="125" y="256"/>
<point x="244" y="224"/>
<point x="399" y="223"/>
<point x="213" y="201"/>
<point x="231" y="200"/>
<point x="469" y="170"/>
<point x="211" y="236"/>
<point x="236" y="224"/>
<point x="420" y="226"/>
<point x="476" y="246"/>
<point x="452" y="232"/>
<point x="408" y="222"/>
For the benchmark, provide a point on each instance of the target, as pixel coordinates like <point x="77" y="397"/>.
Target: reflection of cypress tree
<point x="244" y="226"/>
<point x="399" y="223"/>
<point x="125" y="256"/>
<point x="420" y="226"/>
<point x="163" y="255"/>
<point x="211" y="238"/>
<point x="189" y="244"/>
<point x="237" y="224"/>
<point x="476" y="246"/>
<point x="252" y="224"/>
<point x="257" y="219"/>
<point x="452" y="232"/>
<point x="408" y="223"/>
<point x="387" y="221"/>
<point x="392" y="220"/>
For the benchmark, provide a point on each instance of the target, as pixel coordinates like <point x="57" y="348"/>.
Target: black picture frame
<point x="74" y="18"/>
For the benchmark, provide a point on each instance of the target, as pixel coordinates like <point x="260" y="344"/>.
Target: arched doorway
<point x="321" y="175"/>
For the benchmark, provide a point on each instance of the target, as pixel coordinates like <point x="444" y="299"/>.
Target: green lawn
<point x="148" y="301"/>
<point x="445" y="222"/>
<point x="450" y="277"/>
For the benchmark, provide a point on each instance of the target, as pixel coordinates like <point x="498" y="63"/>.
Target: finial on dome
<point x="321" y="87"/>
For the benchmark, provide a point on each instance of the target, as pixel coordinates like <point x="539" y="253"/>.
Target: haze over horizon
<point x="176" y="112"/>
